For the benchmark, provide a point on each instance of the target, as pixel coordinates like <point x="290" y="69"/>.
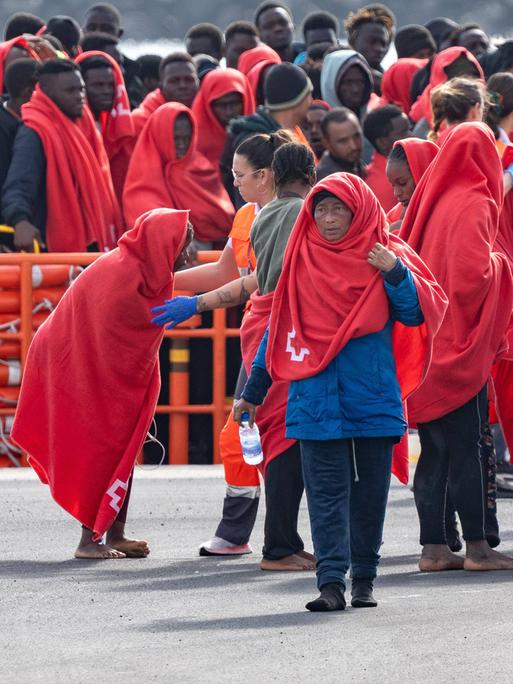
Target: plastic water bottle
<point x="250" y="442"/>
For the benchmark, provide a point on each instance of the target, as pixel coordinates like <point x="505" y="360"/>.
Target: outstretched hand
<point x="175" y="311"/>
<point x="382" y="258"/>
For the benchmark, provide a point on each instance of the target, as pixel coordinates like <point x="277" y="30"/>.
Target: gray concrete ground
<point x="175" y="617"/>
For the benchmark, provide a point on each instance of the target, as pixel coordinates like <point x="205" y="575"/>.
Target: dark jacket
<point x="357" y="394"/>
<point x="24" y="190"/>
<point x="133" y="83"/>
<point x="9" y="124"/>
<point x="329" y="164"/>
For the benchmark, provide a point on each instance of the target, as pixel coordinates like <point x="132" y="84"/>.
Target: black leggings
<point x="283" y="491"/>
<point x="451" y="459"/>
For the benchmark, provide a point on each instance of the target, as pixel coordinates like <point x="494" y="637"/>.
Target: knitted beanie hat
<point x="286" y="85"/>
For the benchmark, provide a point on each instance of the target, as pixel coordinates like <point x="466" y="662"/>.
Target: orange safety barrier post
<point x="23" y="271"/>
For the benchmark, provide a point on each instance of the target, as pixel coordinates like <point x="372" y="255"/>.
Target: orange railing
<point x="178" y="408"/>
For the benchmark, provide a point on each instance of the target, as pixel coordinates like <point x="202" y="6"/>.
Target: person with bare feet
<point x="116" y="545"/>
<point x="451" y="222"/>
<point x="91" y="381"/>
<point x="345" y="281"/>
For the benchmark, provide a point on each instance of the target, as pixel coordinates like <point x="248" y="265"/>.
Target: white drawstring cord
<point x="153" y="439"/>
<point x="356" y="478"/>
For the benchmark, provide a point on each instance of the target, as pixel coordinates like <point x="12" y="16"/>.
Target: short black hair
<point x="337" y="115"/>
<point x="22" y="22"/>
<point x="207" y="30"/>
<point x="97" y="41"/>
<point x="66" y="29"/>
<point x="57" y="66"/>
<point x="292" y="162"/>
<point x="149" y="66"/>
<point x="454" y="38"/>
<point x="19" y="75"/>
<point x="106" y="8"/>
<point x="95" y="62"/>
<point x="320" y="20"/>
<point x="378" y="123"/>
<point x="267" y="5"/>
<point x="246" y="27"/>
<point x="174" y="57"/>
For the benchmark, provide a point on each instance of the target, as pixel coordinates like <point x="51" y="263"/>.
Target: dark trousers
<point x="283" y="492"/>
<point x="347" y="483"/>
<point x="489" y="465"/>
<point x="451" y="459"/>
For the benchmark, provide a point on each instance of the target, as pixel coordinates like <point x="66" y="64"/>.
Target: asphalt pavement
<point x="176" y="617"/>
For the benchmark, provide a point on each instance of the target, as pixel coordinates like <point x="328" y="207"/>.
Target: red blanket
<point x="81" y="205"/>
<point x="422" y="107"/>
<point x="150" y="104"/>
<point x="217" y="84"/>
<point x="92" y="380"/>
<point x="6" y="47"/>
<point x="271" y="415"/>
<point x="117" y="127"/>
<point x="396" y="82"/>
<point x="502" y="372"/>
<point x="317" y="312"/>
<point x="157" y="178"/>
<point x="253" y="62"/>
<point x="420" y="154"/>
<point x="377" y="181"/>
<point x="451" y="222"/>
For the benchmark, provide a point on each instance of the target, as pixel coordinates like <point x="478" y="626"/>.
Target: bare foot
<point x="131" y="548"/>
<point x="480" y="557"/>
<point x="308" y="556"/>
<point x="438" y="558"/>
<point x="293" y="563"/>
<point x="97" y="551"/>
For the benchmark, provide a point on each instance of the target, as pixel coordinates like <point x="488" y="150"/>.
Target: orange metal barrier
<point x="178" y="408"/>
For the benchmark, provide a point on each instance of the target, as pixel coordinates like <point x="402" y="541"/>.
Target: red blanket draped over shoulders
<point x="81" y="205"/>
<point x="91" y="380"/>
<point x="117" y="127"/>
<point x="357" y="302"/>
<point x="217" y="84"/>
<point x="452" y="222"/>
<point x="157" y="178"/>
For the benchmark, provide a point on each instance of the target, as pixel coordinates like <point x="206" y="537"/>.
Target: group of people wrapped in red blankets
<point x="352" y="333"/>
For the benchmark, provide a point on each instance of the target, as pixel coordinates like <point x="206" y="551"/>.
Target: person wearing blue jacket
<point x="344" y="400"/>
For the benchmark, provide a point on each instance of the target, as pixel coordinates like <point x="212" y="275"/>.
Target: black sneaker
<point x="361" y="593"/>
<point x="331" y="598"/>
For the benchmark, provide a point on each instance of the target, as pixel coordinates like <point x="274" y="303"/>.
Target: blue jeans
<point x="347" y="504"/>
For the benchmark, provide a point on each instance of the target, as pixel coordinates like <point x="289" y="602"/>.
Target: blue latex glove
<point x="175" y="311"/>
<point x="509" y="170"/>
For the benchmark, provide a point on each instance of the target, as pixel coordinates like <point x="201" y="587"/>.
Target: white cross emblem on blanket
<point x="294" y="355"/>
